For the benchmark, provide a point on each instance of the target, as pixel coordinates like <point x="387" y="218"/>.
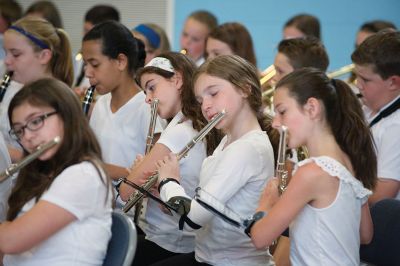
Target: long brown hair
<point x="243" y="75"/>
<point x="79" y="143"/>
<point x="190" y="108"/>
<point x="343" y="115"/>
<point x="238" y="38"/>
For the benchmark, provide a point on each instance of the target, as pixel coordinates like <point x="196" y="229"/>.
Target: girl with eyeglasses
<point x="52" y="220"/>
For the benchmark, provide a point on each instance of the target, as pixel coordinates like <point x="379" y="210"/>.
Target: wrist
<point x="252" y="220"/>
<point x="165" y="181"/>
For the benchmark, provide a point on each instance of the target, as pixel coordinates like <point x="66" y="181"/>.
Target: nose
<point x="27" y="136"/>
<point x="7" y="59"/>
<point x="88" y="71"/>
<point x="149" y="98"/>
<point x="205" y="105"/>
<point x="276" y="122"/>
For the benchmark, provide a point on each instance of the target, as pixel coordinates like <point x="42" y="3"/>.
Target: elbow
<point x="9" y="248"/>
<point x="365" y="240"/>
<point x="259" y="243"/>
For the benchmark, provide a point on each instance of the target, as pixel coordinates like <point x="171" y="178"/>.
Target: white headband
<point x="162" y="63"/>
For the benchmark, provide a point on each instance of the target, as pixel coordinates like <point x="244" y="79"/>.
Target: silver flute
<point x="281" y="172"/>
<point x="4" y="84"/>
<point x="149" y="145"/>
<point x="13" y="168"/>
<point x="152" y="126"/>
<point x="137" y="195"/>
<point x="87" y="101"/>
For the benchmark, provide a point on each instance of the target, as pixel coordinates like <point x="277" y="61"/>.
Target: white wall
<point x="132" y="12"/>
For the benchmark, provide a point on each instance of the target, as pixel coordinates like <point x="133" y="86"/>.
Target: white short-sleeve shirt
<point x="5" y="186"/>
<point x="387" y="143"/>
<point x="12" y="89"/>
<point x="159" y="227"/>
<point x="236" y="176"/>
<point x="122" y="135"/>
<point x="85" y="240"/>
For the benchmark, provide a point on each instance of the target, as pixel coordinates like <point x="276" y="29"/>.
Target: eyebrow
<point x="147" y="82"/>
<point x="207" y="89"/>
<point x="29" y="117"/>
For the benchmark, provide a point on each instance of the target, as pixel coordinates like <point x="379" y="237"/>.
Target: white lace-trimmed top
<point x="330" y="235"/>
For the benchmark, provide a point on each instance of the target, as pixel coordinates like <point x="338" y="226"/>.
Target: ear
<point x="312" y="108"/>
<point x="245" y="91"/>
<point x="122" y="62"/>
<point x="394" y="82"/>
<point x="177" y="79"/>
<point x="45" y="56"/>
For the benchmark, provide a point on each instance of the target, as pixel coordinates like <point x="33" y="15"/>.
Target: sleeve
<point x="70" y="190"/>
<point x="389" y="153"/>
<point x="5" y="185"/>
<point x="238" y="164"/>
<point x="176" y="137"/>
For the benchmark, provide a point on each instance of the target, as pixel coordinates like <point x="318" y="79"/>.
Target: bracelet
<point x="165" y="181"/>
<point x="252" y="220"/>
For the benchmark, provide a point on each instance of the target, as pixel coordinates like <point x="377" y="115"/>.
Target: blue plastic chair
<point x="122" y="246"/>
<point x="384" y="247"/>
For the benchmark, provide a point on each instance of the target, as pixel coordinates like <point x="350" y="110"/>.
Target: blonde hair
<point x="57" y="40"/>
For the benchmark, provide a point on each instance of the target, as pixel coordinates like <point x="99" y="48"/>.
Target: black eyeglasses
<point x="34" y="124"/>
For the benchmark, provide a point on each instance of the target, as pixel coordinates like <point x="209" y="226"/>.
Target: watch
<point x="251" y="221"/>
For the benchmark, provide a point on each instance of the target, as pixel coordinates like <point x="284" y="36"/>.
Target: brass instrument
<point x="4" y="84"/>
<point x="267" y="88"/>
<point x="137" y="196"/>
<point x="87" y="101"/>
<point x="13" y="168"/>
<point x="341" y="71"/>
<point x="267" y="74"/>
<point x="152" y="126"/>
<point x="281" y="172"/>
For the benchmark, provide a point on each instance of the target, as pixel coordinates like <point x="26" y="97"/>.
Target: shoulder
<point x="82" y="171"/>
<point x="310" y="175"/>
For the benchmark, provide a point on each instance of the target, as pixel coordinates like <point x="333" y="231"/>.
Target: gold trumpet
<point x="137" y="196"/>
<point x="341" y="71"/>
<point x="267" y="74"/>
<point x="13" y="168"/>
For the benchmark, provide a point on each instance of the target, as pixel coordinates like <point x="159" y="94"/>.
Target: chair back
<point x="384" y="247"/>
<point x="122" y="246"/>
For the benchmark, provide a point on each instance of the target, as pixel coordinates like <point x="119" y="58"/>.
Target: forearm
<point x="115" y="172"/>
<point x="385" y="188"/>
<point x="366" y="225"/>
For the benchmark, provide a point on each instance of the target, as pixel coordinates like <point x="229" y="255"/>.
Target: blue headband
<point x="35" y="40"/>
<point x="150" y="34"/>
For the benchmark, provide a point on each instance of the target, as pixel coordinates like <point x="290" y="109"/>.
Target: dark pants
<point x="148" y="252"/>
<point x="182" y="259"/>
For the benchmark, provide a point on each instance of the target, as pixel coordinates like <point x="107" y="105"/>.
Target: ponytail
<point x="352" y="133"/>
<point x="265" y="122"/>
<point x="61" y="63"/>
